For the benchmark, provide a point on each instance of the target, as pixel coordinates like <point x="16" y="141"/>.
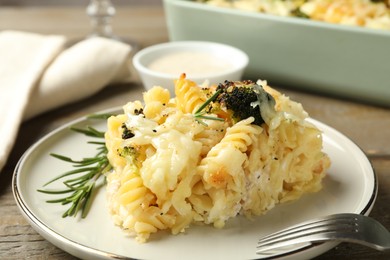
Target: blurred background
<point x="78" y="23"/>
<point x="74" y="2"/>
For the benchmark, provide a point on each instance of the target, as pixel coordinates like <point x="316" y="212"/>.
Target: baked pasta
<point x="365" y="13"/>
<point x="201" y="158"/>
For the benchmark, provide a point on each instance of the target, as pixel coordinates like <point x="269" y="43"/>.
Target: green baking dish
<point x="346" y="61"/>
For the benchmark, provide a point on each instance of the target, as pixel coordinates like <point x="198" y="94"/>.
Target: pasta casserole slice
<point x="208" y="154"/>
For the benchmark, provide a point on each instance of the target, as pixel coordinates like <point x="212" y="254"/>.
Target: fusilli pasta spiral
<point x="171" y="170"/>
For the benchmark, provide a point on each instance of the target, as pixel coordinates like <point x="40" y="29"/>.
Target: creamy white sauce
<point x="191" y="63"/>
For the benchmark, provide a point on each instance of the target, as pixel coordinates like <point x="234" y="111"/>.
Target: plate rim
<point x="77" y="249"/>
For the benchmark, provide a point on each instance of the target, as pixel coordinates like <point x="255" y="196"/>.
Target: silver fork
<point x="345" y="227"/>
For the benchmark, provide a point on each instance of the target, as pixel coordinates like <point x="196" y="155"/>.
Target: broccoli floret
<point x="132" y="155"/>
<point x="128" y="152"/>
<point x="244" y="99"/>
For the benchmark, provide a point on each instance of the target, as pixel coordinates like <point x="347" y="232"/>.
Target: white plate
<point x="351" y="186"/>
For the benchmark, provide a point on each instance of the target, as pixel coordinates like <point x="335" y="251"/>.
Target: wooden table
<point x="367" y="125"/>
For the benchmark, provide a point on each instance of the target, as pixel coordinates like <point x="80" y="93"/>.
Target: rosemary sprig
<point x="200" y="113"/>
<point x="81" y="182"/>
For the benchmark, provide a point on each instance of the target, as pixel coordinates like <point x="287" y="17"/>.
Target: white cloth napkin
<point x="37" y="74"/>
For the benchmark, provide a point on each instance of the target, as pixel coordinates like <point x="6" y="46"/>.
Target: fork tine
<point x="307" y="228"/>
<point x="297" y="242"/>
<point x="341" y="227"/>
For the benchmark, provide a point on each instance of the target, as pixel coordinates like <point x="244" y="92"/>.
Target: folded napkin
<point x="37" y="73"/>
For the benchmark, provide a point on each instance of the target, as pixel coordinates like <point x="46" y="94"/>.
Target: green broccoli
<point x="244" y="99"/>
<point x="128" y="152"/>
<point x="131" y="154"/>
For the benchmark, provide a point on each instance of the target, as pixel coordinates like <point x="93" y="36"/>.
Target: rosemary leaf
<point x="208" y="101"/>
<point x="80" y="182"/>
<point x="200" y="112"/>
<point x="68" y="174"/>
<point x="100" y="116"/>
<point x="89" y="131"/>
<point x="211" y="118"/>
<point x="54" y="191"/>
<point x="98" y="143"/>
<point x="61" y="157"/>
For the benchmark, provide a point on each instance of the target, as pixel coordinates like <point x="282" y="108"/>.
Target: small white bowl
<point x="161" y="64"/>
